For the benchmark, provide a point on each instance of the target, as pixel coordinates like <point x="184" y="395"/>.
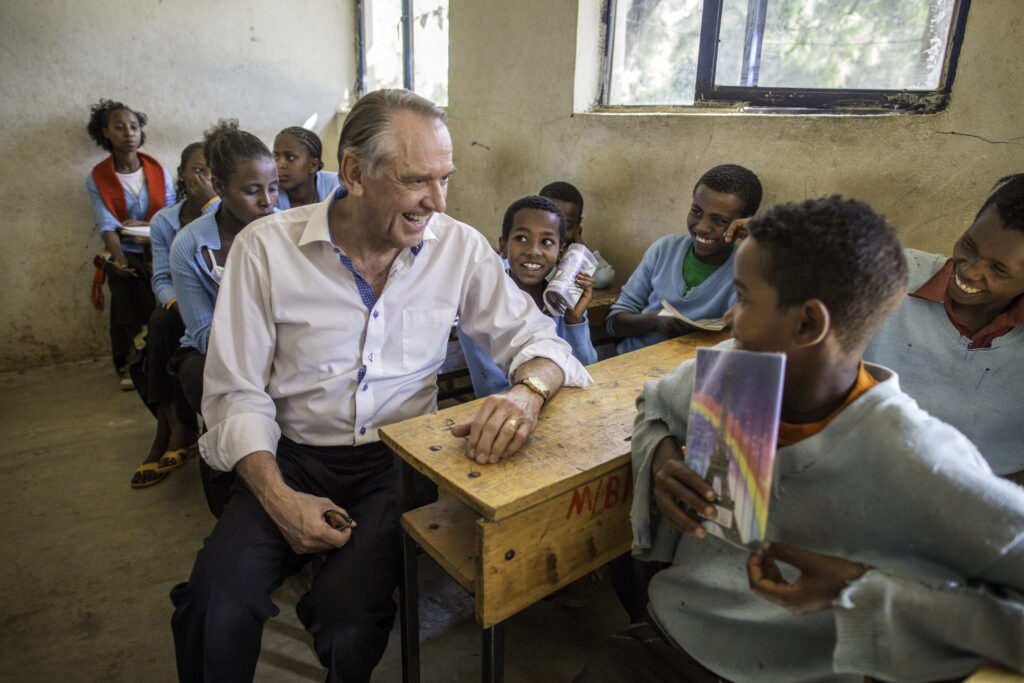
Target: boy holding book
<point x="957" y="339"/>
<point x="532" y="240"/>
<point x="861" y="472"/>
<point x="691" y="271"/>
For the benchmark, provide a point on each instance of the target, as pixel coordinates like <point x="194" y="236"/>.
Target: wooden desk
<point x="600" y="301"/>
<point x="514" y="532"/>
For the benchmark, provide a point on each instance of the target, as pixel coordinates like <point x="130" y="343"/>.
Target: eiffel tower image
<point x="718" y="472"/>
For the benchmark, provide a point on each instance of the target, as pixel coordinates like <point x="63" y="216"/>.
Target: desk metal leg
<point x="408" y="592"/>
<point x="494" y="653"/>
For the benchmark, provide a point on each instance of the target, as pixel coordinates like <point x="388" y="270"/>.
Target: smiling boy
<point x="533" y="234"/>
<point x="861" y="471"/>
<point x="692" y="271"/>
<point x="957" y="340"/>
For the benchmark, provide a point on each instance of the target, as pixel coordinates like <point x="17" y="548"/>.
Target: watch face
<point x="537" y="385"/>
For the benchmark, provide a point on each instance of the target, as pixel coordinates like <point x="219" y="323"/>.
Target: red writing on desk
<point x="609" y="492"/>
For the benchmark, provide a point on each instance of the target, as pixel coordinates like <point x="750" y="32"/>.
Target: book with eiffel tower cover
<point x="731" y="437"/>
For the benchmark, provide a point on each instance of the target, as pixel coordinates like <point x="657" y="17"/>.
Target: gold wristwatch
<point x="536" y="385"/>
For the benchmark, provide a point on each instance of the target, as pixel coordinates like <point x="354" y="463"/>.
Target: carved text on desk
<point x="609" y="492"/>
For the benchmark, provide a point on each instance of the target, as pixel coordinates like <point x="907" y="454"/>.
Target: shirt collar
<point x="935" y="290"/>
<point x="318" y="230"/>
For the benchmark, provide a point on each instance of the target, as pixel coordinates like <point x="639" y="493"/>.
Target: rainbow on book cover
<point x="732" y="434"/>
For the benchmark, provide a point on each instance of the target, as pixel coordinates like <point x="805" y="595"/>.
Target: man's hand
<point x="299" y="516"/>
<point x="505" y="421"/>
<point x="822" y="577"/>
<point x="586" y="283"/>
<point x="737" y="230"/>
<point x="676" y="485"/>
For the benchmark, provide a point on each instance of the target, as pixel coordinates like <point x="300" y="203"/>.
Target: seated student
<point x="297" y="153"/>
<point x="245" y="178"/>
<point x="957" y="341"/>
<point x="570" y="201"/>
<point x="532" y="239"/>
<point x="928" y="631"/>
<point x="861" y="472"/>
<point x="175" y="440"/>
<point x="693" y="272"/>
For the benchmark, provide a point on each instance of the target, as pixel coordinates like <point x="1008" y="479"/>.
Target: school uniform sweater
<point x="976" y="390"/>
<point x="162" y="228"/>
<point x="326" y="182"/>
<point x="195" y="285"/>
<point x="489" y="379"/>
<point x="884" y="484"/>
<point x="660" y="276"/>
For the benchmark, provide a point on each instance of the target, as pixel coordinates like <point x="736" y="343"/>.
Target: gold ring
<point x="512" y="421"/>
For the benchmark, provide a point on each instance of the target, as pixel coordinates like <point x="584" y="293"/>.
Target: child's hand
<point x="586" y="283"/>
<point x="737" y="230"/>
<point x="677" y="487"/>
<point x="670" y="326"/>
<point x="199" y="188"/>
<point x="822" y="577"/>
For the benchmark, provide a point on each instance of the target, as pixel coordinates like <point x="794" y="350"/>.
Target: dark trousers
<point x="162" y="340"/>
<point x="188" y="365"/>
<point x="131" y="302"/>
<point x="219" y="613"/>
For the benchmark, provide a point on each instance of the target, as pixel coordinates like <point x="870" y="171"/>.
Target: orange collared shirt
<point x="790" y="434"/>
<point x="935" y="290"/>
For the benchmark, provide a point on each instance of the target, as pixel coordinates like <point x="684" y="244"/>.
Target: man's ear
<point x="813" y="324"/>
<point x="351" y="172"/>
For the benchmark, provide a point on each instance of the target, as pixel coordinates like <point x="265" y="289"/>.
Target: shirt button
<point x="362" y="430"/>
<point x="376" y="313"/>
<point x="371" y="357"/>
<point x="337" y="251"/>
<point x="365" y="387"/>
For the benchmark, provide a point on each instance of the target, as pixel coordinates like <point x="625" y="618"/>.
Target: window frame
<point x="755" y="99"/>
<point x="407" y="65"/>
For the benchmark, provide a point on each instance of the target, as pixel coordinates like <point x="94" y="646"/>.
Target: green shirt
<point x="695" y="271"/>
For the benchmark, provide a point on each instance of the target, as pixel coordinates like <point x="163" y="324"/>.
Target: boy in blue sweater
<point x="957" y="339"/>
<point x="532" y="240"/>
<point x="861" y="472"/>
<point x="692" y="271"/>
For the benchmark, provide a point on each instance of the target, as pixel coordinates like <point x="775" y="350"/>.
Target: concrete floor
<point x="90" y="561"/>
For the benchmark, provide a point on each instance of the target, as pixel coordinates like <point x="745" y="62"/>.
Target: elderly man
<point x="332" y="321"/>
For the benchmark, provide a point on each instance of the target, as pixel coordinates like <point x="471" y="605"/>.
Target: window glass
<point x="430" y="50"/>
<point x="383" y="47"/>
<point x="865" y="45"/>
<point x="382" y="36"/>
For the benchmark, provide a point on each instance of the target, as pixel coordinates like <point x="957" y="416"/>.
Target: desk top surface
<point x="582" y="433"/>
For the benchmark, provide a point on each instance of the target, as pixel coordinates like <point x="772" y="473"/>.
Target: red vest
<point x="112" y="191"/>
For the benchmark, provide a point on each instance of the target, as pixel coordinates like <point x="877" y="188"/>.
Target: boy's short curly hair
<point x="533" y="202"/>
<point x="99" y="119"/>
<point x="563" y="192"/>
<point x="1008" y="198"/>
<point x="839" y="251"/>
<point x="737" y="180"/>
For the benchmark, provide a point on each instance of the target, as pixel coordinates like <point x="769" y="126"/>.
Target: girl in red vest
<point x="126" y="189"/>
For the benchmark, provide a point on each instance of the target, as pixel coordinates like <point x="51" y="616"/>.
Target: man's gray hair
<point x="367" y="133"/>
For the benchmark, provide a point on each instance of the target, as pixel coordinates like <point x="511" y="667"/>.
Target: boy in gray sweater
<point x="861" y="472"/>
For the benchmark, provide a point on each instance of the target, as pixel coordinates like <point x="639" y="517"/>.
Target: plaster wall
<point x="515" y="128"/>
<point x="184" y="63"/>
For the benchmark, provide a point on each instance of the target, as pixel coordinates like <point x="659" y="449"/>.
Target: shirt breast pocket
<point x="425" y="337"/>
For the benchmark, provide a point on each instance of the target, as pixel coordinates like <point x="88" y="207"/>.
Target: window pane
<point x="383" y="45"/>
<point x="430" y="49"/>
<point x="835" y="44"/>
<point x="654" y="56"/>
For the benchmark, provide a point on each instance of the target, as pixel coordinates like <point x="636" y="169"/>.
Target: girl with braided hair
<point x="297" y="153"/>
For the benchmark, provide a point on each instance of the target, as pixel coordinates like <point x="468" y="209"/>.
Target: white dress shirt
<point x="296" y="350"/>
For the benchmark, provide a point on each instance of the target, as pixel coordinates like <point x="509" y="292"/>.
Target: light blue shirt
<point x="326" y="182"/>
<point x="660" y="276"/>
<point x="162" y="228"/>
<point x="138" y="207"/>
<point x="195" y="286"/>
